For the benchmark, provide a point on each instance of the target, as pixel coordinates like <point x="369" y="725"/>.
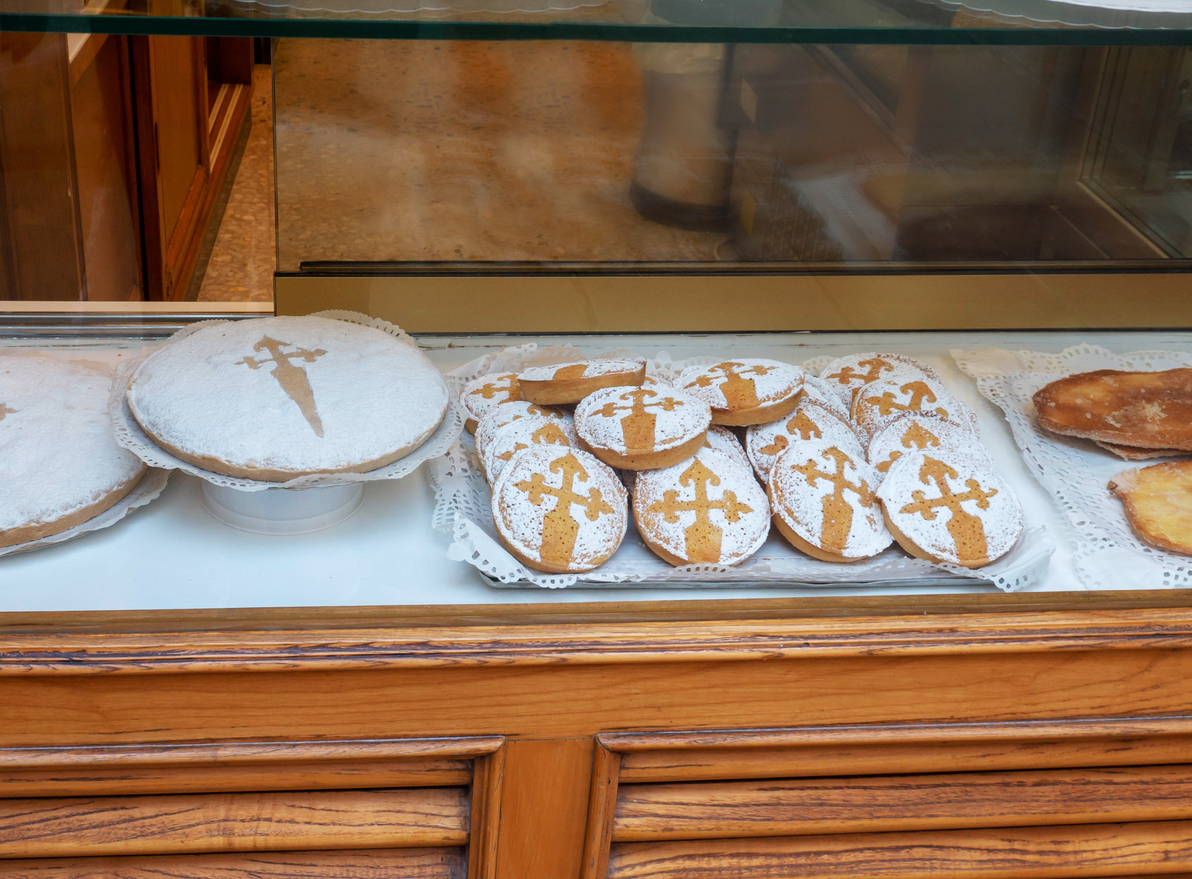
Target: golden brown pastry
<point x="1142" y="410"/>
<point x="1130" y="453"/>
<point x="1158" y="503"/>
<point x="562" y="383"/>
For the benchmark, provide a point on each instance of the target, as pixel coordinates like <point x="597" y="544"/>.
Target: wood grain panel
<point x="578" y="700"/>
<point x="438" y="863"/>
<point x="74" y="827"/>
<point x="1099" y="850"/>
<point x="544" y="805"/>
<point x="487" y="785"/>
<point x="601" y="805"/>
<point x="30" y="650"/>
<point x="887" y="749"/>
<point x="902" y="803"/>
<point x="230" y="766"/>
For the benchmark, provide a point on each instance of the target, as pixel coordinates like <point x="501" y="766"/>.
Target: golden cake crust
<point x="38" y="530"/>
<point x="1158" y="501"/>
<point x="571" y="382"/>
<point x="1142" y="410"/>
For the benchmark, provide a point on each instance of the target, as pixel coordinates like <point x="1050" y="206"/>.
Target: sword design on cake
<point x="966" y="529"/>
<point x="837" y="511"/>
<point x="293" y="379"/>
<point x="5" y="410"/>
<point x="702" y="537"/>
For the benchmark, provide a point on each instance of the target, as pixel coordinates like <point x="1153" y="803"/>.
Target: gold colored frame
<point x="553" y="302"/>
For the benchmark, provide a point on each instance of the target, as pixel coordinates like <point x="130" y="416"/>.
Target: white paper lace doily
<point x="131" y="436"/>
<point x="151" y="484"/>
<point x="463" y="512"/>
<point x="1107" y="554"/>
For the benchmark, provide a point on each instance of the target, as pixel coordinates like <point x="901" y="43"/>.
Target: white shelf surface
<point x="174" y="555"/>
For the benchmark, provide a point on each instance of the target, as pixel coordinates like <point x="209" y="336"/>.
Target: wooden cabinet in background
<point x="113" y="154"/>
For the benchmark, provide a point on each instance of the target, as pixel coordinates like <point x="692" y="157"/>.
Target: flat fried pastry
<point x="1139" y="410"/>
<point x="1130" y="453"/>
<point x="1158" y="503"/>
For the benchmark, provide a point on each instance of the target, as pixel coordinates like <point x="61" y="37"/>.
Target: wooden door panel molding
<point x="606" y="771"/>
<point x="119" y="645"/>
<point x="893" y="777"/>
<point x="656" y="812"/>
<point x="230" y="766"/>
<point x="1099" y="850"/>
<point x="436" y="863"/>
<point x="869" y="749"/>
<point x="65" y="827"/>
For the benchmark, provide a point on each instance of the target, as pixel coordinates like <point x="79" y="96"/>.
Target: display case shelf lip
<point x="1179" y="34"/>
<point x="387" y="642"/>
<point x="527" y="268"/>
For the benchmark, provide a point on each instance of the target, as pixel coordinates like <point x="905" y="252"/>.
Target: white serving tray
<point x="462" y="510"/>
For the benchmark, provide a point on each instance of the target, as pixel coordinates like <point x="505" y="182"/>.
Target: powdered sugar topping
<point x="845" y="374"/>
<point x="919" y="433"/>
<point x="637" y="420"/>
<point x="737" y="385"/>
<point x="503" y="414"/>
<point x="725" y="441"/>
<point x="881" y="403"/>
<point x="825" y="496"/>
<point x="57" y="451"/>
<point x="816" y="388"/>
<point x="481" y="395"/>
<point x="707" y="509"/>
<point x="811" y="420"/>
<point x="561" y="507"/>
<point x="292" y="395"/>
<point x="532" y="430"/>
<point x="591" y="369"/>
<point x="952" y="505"/>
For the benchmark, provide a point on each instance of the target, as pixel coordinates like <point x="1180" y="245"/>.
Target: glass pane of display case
<point x="575" y="152"/>
<point x="1146" y="22"/>
<point x="673" y="180"/>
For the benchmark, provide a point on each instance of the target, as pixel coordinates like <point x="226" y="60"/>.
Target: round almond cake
<point x="281" y="397"/>
<point x="59" y="462"/>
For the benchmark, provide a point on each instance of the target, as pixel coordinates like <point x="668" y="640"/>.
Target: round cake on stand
<point x="285" y="419"/>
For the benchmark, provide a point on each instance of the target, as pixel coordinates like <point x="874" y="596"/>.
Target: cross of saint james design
<point x="638" y="425"/>
<point x="738" y="390"/>
<point x="702" y="537"/>
<point x="800" y="425"/>
<point x="966" y="529"/>
<point x="4" y="410"/>
<point x="549" y="434"/>
<point x="838" y="512"/>
<point x="916" y="437"/>
<point x="919" y="393"/>
<point x="490" y="389"/>
<point x="874" y="367"/>
<point x="560" y="529"/>
<point x="293" y="379"/>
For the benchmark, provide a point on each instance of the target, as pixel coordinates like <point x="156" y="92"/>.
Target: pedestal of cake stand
<point x="282" y="510"/>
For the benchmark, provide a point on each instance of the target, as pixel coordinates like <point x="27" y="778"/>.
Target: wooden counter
<point x="981" y="736"/>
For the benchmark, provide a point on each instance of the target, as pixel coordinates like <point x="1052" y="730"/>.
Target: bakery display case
<point x="638" y="438"/>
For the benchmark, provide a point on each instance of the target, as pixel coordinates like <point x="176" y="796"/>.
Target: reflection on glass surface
<point x="661" y="153"/>
<point x="837" y="21"/>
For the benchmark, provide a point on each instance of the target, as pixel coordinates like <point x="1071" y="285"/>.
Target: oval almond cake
<point x="276" y="398"/>
<point x="59" y="462"/>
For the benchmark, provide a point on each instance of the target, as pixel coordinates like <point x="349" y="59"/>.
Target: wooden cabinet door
<point x="171" y="85"/>
<point x="374" y="809"/>
<point x="976" y="801"/>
